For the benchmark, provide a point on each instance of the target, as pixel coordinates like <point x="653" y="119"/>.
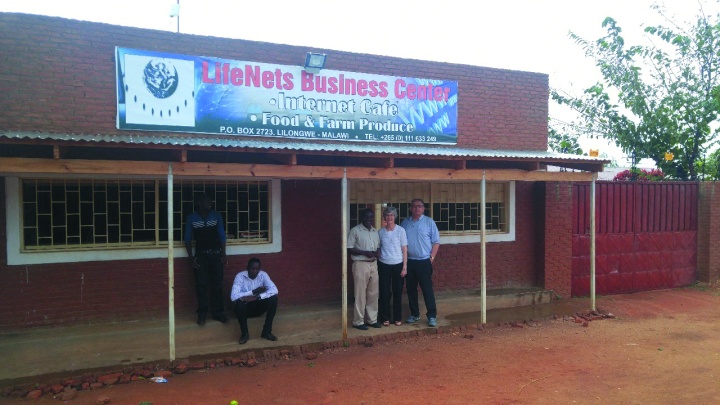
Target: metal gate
<point x="646" y="236"/>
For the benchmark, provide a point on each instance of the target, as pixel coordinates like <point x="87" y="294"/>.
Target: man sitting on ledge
<point x="253" y="294"/>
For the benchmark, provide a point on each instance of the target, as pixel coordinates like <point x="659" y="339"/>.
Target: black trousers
<point x="391" y="287"/>
<point x="420" y="272"/>
<point x="208" y="284"/>
<point x="253" y="309"/>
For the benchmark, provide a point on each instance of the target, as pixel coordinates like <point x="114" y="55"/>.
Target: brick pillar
<point x="558" y="238"/>
<point x="708" y="249"/>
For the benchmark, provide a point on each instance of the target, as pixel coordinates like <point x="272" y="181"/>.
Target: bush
<point x="640" y="175"/>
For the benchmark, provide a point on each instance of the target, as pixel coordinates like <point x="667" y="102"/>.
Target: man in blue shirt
<point x="205" y="225"/>
<point x="423" y="239"/>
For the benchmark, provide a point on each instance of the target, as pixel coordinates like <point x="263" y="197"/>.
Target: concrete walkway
<point x="44" y="351"/>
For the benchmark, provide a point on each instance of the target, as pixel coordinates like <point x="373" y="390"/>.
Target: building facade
<point x="87" y="178"/>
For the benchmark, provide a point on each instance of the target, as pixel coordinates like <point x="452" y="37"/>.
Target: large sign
<point x="179" y="93"/>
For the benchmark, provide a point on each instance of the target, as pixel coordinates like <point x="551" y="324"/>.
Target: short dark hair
<point x="199" y="198"/>
<point x="365" y="212"/>
<point x="253" y="260"/>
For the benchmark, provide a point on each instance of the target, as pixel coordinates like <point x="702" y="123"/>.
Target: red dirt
<point x="662" y="347"/>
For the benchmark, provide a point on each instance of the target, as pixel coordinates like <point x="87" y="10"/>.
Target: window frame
<point x="508" y="236"/>
<point x="15" y="255"/>
<point x="470" y="236"/>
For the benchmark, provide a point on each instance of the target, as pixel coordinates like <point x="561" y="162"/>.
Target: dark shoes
<point x="202" y="318"/>
<point x="361" y="327"/>
<point x="220" y="318"/>
<point x="265" y="335"/>
<point x="375" y="325"/>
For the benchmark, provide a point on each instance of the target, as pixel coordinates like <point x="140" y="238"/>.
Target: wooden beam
<point x="80" y="166"/>
<point x="56" y="151"/>
<point x="288" y="159"/>
<point x="180" y="155"/>
<point x="588" y="166"/>
<point x="521" y="175"/>
<point x="193" y="169"/>
<point x="464" y="175"/>
<point x="114" y="167"/>
<point x="256" y="170"/>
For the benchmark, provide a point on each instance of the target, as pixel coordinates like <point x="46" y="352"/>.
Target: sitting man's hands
<point x="255" y="294"/>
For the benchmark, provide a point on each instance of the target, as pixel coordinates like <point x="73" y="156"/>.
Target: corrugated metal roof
<point x="265" y="143"/>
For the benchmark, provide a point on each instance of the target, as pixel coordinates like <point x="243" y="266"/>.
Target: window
<point x="72" y="214"/>
<point x="244" y="205"/>
<point x="455" y="207"/>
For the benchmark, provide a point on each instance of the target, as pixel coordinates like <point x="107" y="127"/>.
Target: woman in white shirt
<point x="392" y="268"/>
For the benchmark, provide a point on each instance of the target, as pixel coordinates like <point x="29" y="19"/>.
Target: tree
<point x="563" y="143"/>
<point x="657" y="98"/>
<point x="709" y="166"/>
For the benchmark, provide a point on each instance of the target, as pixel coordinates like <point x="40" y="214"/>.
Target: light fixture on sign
<point x="594" y="152"/>
<point x="314" y="62"/>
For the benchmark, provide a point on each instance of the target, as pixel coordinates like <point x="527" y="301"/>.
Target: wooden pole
<point x="592" y="241"/>
<point x="171" y="264"/>
<point x="483" y="264"/>
<point x="344" y="231"/>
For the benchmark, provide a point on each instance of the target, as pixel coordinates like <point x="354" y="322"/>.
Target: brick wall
<point x="558" y="238"/>
<point x="58" y="76"/>
<point x="509" y="264"/>
<point x="308" y="270"/>
<point x="67" y="293"/>
<point x="708" y="253"/>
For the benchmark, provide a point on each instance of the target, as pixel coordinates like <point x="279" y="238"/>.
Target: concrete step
<point x="103" y="345"/>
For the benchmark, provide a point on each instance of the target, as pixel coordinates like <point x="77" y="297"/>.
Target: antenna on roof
<point x="175" y="13"/>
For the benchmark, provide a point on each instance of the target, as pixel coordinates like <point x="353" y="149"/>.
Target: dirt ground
<point x="662" y="347"/>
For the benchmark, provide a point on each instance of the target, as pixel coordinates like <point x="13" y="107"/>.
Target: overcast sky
<point x="529" y="35"/>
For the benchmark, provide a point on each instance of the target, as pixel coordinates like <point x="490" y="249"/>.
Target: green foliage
<point x="613" y="161"/>
<point x="709" y="166"/>
<point x="658" y="98"/>
<point x="563" y="143"/>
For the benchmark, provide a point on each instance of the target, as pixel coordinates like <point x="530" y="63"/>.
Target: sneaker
<point x="243" y="339"/>
<point x="375" y="325"/>
<point x="361" y="327"/>
<point x="412" y="319"/>
<point x="269" y="336"/>
<point x="432" y="322"/>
